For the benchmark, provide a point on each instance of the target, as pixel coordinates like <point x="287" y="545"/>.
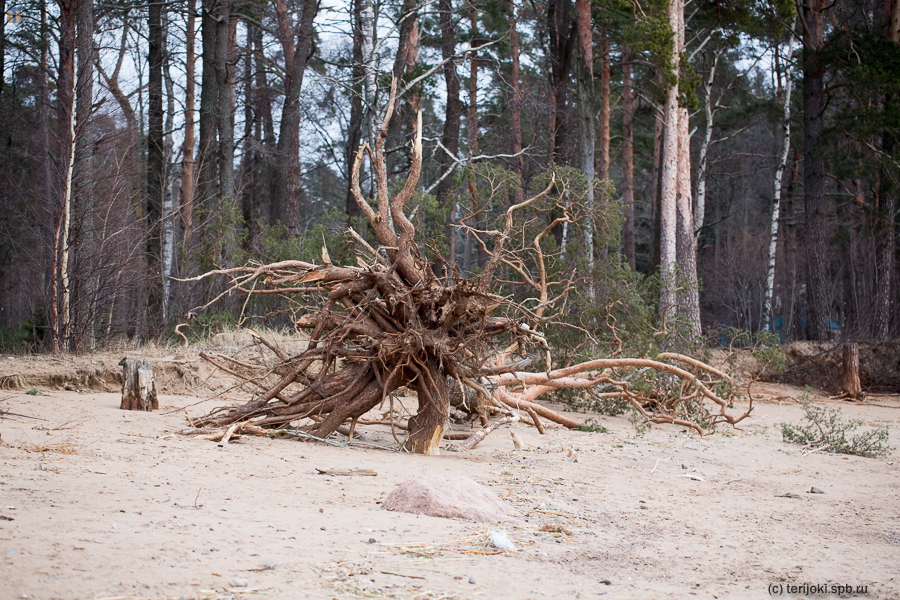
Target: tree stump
<point x="851" y="387"/>
<point x="138" y="387"/>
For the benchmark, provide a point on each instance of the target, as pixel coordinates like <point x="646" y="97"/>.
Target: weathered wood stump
<point x="851" y="387"/>
<point x="138" y="387"/>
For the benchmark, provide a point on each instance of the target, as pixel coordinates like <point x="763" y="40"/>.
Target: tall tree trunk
<point x="156" y="163"/>
<point x="2" y="44"/>
<point x="226" y="31"/>
<point x="516" y="100"/>
<point x="812" y="15"/>
<point x="369" y="26"/>
<point x="659" y="121"/>
<point x="354" y="126"/>
<point x="628" y="157"/>
<point x="689" y="300"/>
<point x="66" y="103"/>
<point x="207" y="154"/>
<point x="668" y="205"/>
<point x="886" y="208"/>
<point x="603" y="158"/>
<point x="585" y="86"/>
<point x="187" y="152"/>
<point x="686" y="240"/>
<point x="709" y="110"/>
<point x="768" y="322"/>
<point x="405" y="62"/>
<point x="46" y="164"/>
<point x="82" y="184"/>
<point x="472" y="142"/>
<point x="297" y="44"/>
<point x="561" y="28"/>
<point x="453" y="113"/>
<point x="170" y="209"/>
<point x="250" y="169"/>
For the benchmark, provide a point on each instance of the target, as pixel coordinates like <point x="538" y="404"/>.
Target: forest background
<point x="732" y="165"/>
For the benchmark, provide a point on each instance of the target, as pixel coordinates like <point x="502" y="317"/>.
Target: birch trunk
<point x="709" y="111"/>
<point x="768" y="317"/>
<point x="368" y="19"/>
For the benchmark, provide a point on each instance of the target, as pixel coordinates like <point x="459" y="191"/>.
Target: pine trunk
<point x="628" y="158"/>
<point x="426" y="428"/>
<point x="355" y="124"/>
<point x="207" y="154"/>
<point x="156" y="163"/>
<point x="885" y="211"/>
<point x="187" y="153"/>
<point x="453" y="113"/>
<point x="816" y="229"/>
<point x="296" y="44"/>
<point x="668" y="200"/>
<point x="67" y="98"/>
<point x="516" y="100"/>
<point x="605" y="111"/>
<point x="689" y="300"/>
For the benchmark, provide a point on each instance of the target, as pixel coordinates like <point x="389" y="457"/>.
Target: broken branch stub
<point x="138" y="386"/>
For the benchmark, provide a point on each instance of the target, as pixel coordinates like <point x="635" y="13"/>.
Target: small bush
<point x="592" y="426"/>
<point x="826" y="430"/>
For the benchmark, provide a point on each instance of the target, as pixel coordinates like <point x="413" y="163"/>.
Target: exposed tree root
<point x="390" y="322"/>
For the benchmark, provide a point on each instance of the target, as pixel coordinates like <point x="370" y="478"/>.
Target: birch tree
<point x="783" y="75"/>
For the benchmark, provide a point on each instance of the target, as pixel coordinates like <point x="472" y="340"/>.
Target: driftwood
<point x="138" y="386"/>
<point x="390" y="321"/>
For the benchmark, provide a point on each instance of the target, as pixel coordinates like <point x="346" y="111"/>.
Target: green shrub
<point x="592" y="426"/>
<point x="826" y="430"/>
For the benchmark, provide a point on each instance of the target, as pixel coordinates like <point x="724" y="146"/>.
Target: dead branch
<point x="477" y="437"/>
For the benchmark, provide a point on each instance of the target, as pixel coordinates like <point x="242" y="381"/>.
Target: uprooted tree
<point x="390" y="321"/>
